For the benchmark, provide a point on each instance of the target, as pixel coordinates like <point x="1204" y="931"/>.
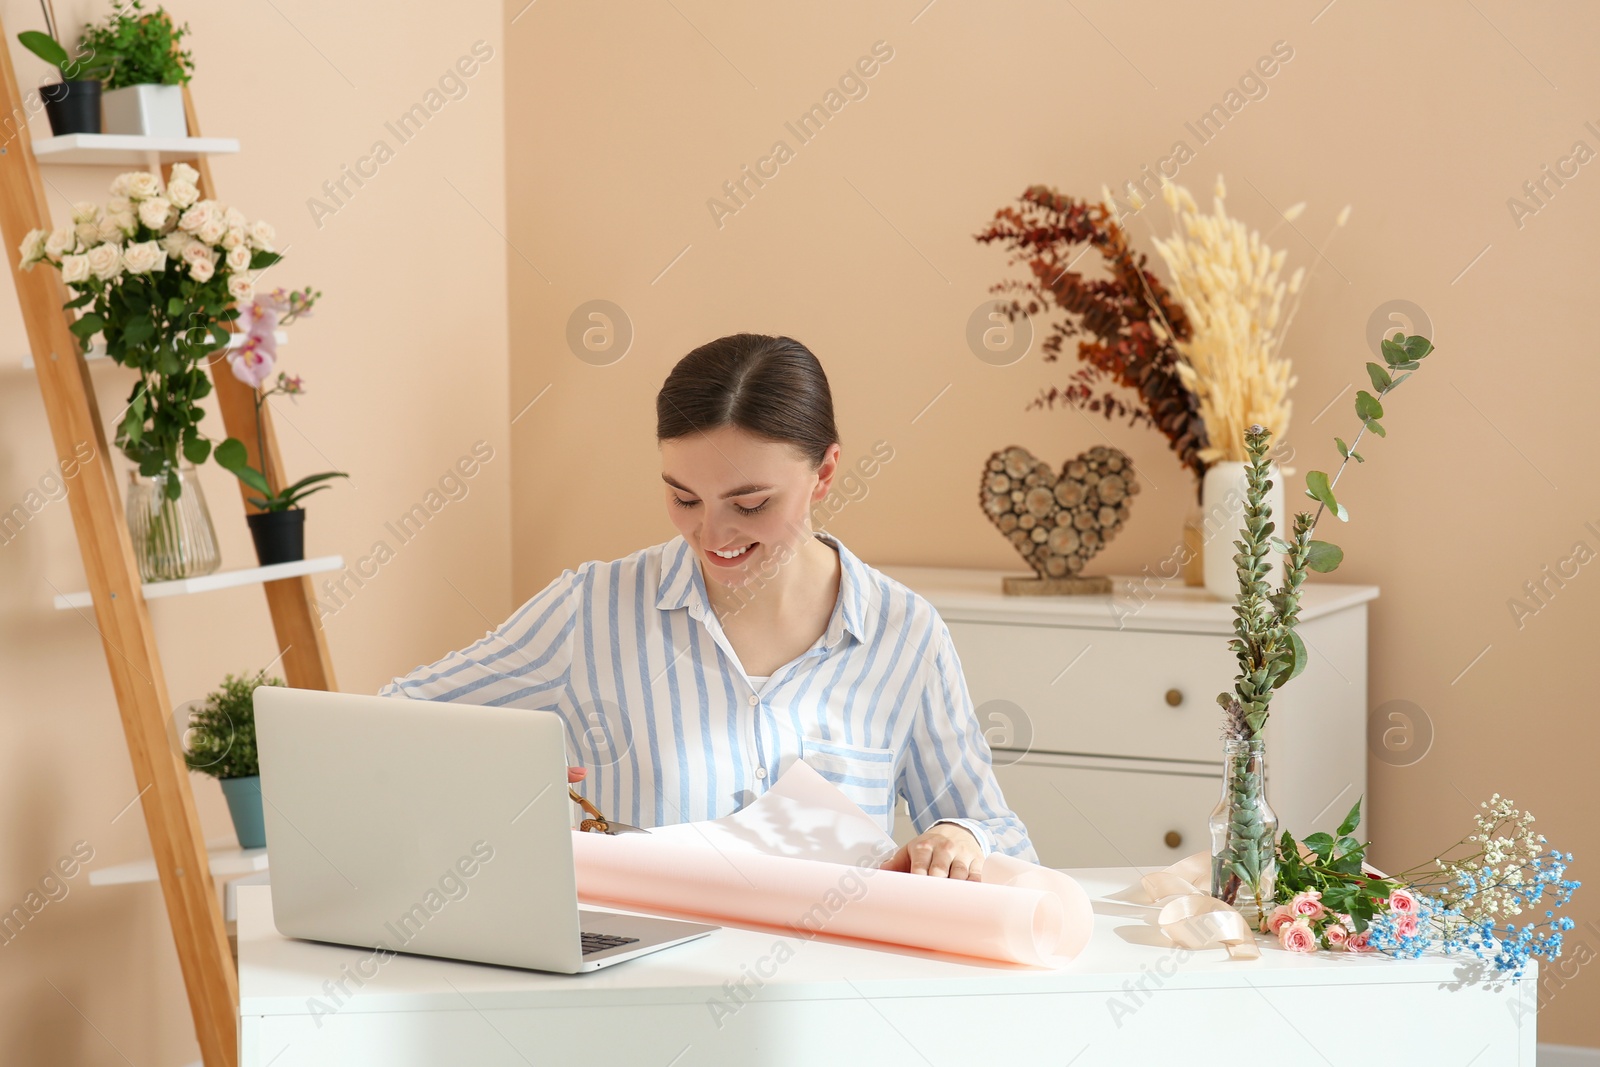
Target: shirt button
<point x="754" y="700"/>
<point x="761" y="772"/>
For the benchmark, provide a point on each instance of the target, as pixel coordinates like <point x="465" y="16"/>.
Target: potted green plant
<point x="222" y="743"/>
<point x="145" y="70"/>
<point x="160" y="274"/>
<point x="278" y="528"/>
<point x="73" y="103"/>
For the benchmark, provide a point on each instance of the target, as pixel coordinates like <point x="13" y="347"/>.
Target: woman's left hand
<point x="944" y="850"/>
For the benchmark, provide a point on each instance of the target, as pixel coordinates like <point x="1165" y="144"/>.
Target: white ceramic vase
<point x="145" y="110"/>
<point x="1222" y="500"/>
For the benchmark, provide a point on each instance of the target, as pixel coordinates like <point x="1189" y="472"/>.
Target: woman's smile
<point x="744" y="552"/>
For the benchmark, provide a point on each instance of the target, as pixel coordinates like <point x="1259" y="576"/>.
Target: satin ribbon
<point x="1190" y="917"/>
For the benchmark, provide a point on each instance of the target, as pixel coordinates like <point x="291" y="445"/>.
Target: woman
<point x="691" y="674"/>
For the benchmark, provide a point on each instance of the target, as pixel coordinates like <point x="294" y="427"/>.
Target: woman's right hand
<point x="575" y="774"/>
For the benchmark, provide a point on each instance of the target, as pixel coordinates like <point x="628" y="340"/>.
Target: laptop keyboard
<point x="601" y="942"/>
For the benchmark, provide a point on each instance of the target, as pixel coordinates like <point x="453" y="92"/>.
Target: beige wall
<point x="406" y="366"/>
<point x="618" y="124"/>
<point x="624" y="121"/>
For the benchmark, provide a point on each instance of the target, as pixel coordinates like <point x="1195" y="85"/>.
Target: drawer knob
<point x="1174" y="697"/>
<point x="1173" y="839"/>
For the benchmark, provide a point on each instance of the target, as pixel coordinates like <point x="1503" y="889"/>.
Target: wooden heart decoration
<point x="1057" y="522"/>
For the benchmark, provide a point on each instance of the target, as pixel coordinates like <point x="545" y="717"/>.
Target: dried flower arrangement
<point x="1228" y="281"/>
<point x="1127" y="324"/>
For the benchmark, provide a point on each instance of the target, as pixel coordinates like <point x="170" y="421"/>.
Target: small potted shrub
<point x="222" y="743"/>
<point x="73" y="103"/>
<point x="145" y="70"/>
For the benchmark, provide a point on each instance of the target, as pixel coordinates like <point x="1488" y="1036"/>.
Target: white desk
<point x="834" y="1002"/>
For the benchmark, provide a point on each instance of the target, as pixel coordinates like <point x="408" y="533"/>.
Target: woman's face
<point x="730" y="489"/>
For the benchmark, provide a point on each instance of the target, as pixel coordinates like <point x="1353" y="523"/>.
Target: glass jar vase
<point x="1244" y="863"/>
<point x="172" y="537"/>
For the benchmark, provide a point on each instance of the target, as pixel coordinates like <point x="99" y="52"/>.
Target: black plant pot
<point x="73" y="106"/>
<point x="280" y="536"/>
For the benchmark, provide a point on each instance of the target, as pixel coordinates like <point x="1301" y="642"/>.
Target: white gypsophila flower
<point x="235" y="219"/>
<point x="197" y="216"/>
<point x="213" y="229"/>
<point x="59" y="243"/>
<point x="201" y="270"/>
<point x="262" y="235"/>
<point x="142" y="185"/>
<point x="182" y="194"/>
<point x="238" y="259"/>
<point x="233" y="238"/>
<point x="141" y="257"/>
<point x="85" y="211"/>
<point x="105" y="261"/>
<point x="241" y="289"/>
<point x="153" y="212"/>
<point x="32" y="247"/>
<point x="74" y="269"/>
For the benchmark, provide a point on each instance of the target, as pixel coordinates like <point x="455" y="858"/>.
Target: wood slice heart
<point x="1057" y="522"/>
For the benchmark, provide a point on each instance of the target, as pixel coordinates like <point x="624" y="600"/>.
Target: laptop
<point x="432" y="828"/>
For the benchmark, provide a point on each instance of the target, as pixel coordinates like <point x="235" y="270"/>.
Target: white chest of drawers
<point x="1102" y="718"/>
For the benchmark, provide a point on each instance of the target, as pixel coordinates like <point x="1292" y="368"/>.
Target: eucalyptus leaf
<point x="1323" y="557"/>
<point x="1367" y="406"/>
<point x="1380" y="377"/>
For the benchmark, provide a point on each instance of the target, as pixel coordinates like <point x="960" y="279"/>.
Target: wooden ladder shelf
<point x="120" y="610"/>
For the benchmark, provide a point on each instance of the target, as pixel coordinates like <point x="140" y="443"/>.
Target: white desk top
<point x="278" y="975"/>
<point x="1134" y="603"/>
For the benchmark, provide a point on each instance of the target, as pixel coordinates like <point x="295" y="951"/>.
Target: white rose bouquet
<point x="159" y="273"/>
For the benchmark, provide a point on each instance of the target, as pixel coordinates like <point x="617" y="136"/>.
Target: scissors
<point x="599" y="824"/>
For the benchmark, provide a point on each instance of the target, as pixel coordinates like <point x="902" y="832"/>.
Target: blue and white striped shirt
<point x="660" y="710"/>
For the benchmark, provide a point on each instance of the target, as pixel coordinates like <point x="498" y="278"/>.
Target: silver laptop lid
<point x="418" y="826"/>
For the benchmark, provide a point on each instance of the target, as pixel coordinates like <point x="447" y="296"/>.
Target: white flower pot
<point x="1222" y="500"/>
<point x="147" y="110"/>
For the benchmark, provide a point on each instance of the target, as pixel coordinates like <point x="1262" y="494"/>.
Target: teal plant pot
<point x="244" y="804"/>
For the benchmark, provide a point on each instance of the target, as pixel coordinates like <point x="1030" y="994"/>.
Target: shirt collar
<point x="682" y="586"/>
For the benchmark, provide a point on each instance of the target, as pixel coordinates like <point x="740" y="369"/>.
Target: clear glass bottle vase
<point x="1244" y="865"/>
<point x="172" y="537"/>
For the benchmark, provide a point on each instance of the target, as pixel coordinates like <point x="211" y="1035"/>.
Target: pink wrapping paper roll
<point x="1021" y="913"/>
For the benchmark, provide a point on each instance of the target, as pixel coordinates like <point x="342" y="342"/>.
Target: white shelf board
<point x="124" y="149"/>
<point x="227" y="859"/>
<point x="220" y="580"/>
<point x="99" y="355"/>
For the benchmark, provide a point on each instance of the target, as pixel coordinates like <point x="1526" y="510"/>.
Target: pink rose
<point x="1403" y="900"/>
<point x="1280" y="915"/>
<point x="1406" y="926"/>
<point x="1308" y="904"/>
<point x="1358" y="942"/>
<point x="1336" y="934"/>
<point x="1297" y="937"/>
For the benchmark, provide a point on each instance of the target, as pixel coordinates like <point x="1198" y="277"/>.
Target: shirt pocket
<point x="865" y="775"/>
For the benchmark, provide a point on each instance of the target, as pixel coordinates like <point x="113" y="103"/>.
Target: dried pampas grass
<point x="1229" y="284"/>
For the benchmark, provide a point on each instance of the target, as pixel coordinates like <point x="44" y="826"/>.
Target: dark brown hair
<point x="771" y="386"/>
